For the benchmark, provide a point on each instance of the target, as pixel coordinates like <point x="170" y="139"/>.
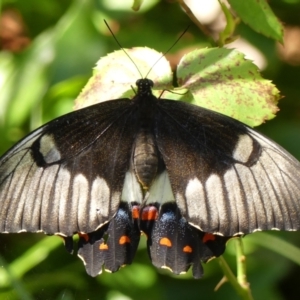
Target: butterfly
<point x="187" y="177"/>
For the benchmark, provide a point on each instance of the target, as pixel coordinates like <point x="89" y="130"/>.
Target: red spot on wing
<point x="135" y="212"/>
<point x="208" y="237"/>
<point x="149" y="213"/>
<point x="84" y="236"/>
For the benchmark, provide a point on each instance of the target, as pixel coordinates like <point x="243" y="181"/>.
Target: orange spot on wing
<point x="103" y="246"/>
<point x="124" y="239"/>
<point x="165" y="242"/>
<point x="208" y="237"/>
<point x="187" y="249"/>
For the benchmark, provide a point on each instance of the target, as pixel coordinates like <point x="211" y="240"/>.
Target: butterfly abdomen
<point x="145" y="157"/>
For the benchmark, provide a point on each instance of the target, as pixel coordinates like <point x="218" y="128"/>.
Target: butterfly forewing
<point x="226" y="178"/>
<point x="68" y="175"/>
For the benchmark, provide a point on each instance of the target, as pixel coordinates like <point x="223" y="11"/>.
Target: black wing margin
<point x="67" y="176"/>
<point x="227" y="179"/>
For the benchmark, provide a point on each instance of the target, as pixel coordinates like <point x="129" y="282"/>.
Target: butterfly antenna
<point x="123" y="49"/>
<point x="183" y="33"/>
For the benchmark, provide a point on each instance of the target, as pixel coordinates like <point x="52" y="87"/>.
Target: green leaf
<point x="31" y="81"/>
<point x="217" y="79"/>
<point x="141" y="275"/>
<point x="115" y="75"/>
<point x="18" y="287"/>
<point x="136" y="4"/>
<point x="32" y="257"/>
<point x="259" y="16"/>
<point x="224" y="81"/>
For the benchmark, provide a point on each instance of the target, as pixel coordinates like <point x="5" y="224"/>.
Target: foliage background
<point x="43" y="68"/>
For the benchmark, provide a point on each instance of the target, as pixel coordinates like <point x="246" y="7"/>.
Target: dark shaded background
<point x="49" y="48"/>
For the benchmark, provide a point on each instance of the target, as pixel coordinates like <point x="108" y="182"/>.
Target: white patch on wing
<point x="217" y="206"/>
<point x="20" y="198"/>
<point x="48" y="149"/>
<point x="195" y="201"/>
<point x="132" y="191"/>
<point x="100" y="198"/>
<point x="243" y="148"/>
<point x="67" y="208"/>
<point x="160" y="191"/>
<point x="237" y="205"/>
<point x="48" y="204"/>
<point x="81" y="196"/>
<point x="42" y="186"/>
<point x="52" y="194"/>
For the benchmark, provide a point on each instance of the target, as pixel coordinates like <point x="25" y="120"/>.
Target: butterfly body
<point x="187" y="177"/>
<point x="145" y="154"/>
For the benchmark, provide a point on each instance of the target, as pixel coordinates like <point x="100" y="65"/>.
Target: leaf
<point x="259" y="16"/>
<point x="217" y="79"/>
<point x="222" y="80"/>
<point x="283" y="247"/>
<point x="32" y="257"/>
<point x="115" y="75"/>
<point x="136" y="5"/>
<point x="31" y="80"/>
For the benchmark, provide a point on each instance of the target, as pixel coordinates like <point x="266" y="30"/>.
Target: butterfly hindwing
<point x="113" y="245"/>
<point x="226" y="178"/>
<point x="68" y="175"/>
<point x="176" y="245"/>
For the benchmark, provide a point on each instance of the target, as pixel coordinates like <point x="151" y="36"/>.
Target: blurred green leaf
<point x="29" y="259"/>
<point x="31" y="80"/>
<point x="282" y="247"/>
<point x="19" y="290"/>
<point x="259" y="16"/>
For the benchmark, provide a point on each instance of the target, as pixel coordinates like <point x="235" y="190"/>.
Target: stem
<point x="239" y="283"/>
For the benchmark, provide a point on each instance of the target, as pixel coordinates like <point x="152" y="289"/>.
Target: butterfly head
<point x="144" y="86"/>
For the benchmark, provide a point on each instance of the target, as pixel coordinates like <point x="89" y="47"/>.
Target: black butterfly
<point x="188" y="177"/>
